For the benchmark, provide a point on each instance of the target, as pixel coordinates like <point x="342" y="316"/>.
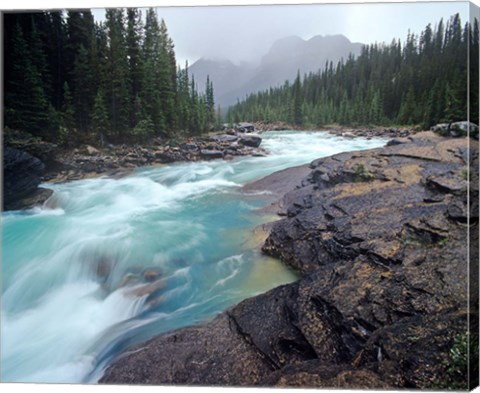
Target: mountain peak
<point x="285" y="58"/>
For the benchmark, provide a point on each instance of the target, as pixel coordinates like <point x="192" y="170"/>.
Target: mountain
<point x="281" y="63"/>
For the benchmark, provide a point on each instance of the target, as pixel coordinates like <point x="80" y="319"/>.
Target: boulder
<point x="224" y="138"/>
<point x="211" y="154"/>
<point x="457" y="129"/>
<point x="250" y="140"/>
<point x="245" y="127"/>
<point x="21" y="177"/>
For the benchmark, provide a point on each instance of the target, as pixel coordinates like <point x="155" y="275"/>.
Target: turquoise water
<point x="107" y="263"/>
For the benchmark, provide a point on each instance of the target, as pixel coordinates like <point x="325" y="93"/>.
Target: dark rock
<point x="224" y="138"/>
<point x="213" y="354"/>
<point x="384" y="290"/>
<point x="37" y="198"/>
<point x="245" y="127"/>
<point x="211" y="154"/>
<point x="189" y="146"/>
<point x="250" y="140"/>
<point x="397" y="141"/>
<point x="21" y="177"/>
<point x="164" y="157"/>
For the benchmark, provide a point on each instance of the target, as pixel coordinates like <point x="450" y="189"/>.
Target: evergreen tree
<point x="27" y="107"/>
<point x="134" y="55"/>
<point x="100" y="123"/>
<point x="117" y="68"/>
<point x="67" y="127"/>
<point x="210" y="102"/>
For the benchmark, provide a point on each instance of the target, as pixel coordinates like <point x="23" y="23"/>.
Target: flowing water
<point x="108" y="263"/>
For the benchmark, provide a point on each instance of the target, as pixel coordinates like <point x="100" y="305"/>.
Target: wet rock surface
<point x="89" y="161"/>
<point x="21" y="177"/>
<point x="380" y="237"/>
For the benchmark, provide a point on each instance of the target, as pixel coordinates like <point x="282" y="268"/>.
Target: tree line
<point x="422" y="82"/>
<point x="70" y="79"/>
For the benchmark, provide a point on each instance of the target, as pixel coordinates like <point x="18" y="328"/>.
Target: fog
<point x="245" y="33"/>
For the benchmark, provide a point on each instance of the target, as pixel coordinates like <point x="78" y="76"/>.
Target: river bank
<point x="29" y="161"/>
<point x="380" y="238"/>
<point x="108" y="263"/>
<point x="35" y="161"/>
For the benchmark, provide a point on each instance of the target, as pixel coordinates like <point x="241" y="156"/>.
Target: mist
<point x="245" y="33"/>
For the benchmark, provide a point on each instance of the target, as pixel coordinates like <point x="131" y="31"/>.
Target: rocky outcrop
<point x="380" y="238"/>
<point x="89" y="161"/>
<point x="456" y="129"/>
<point x="22" y="174"/>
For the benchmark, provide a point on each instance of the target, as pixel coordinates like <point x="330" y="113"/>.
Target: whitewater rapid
<point x="106" y="263"/>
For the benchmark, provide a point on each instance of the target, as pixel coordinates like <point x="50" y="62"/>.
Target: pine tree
<point x="27" y="107"/>
<point x="67" y="127"/>
<point x="134" y="55"/>
<point x="117" y="67"/>
<point x="100" y="123"/>
<point x="210" y="102"/>
<point x="297" y="100"/>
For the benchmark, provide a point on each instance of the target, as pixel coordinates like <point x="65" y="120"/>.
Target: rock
<point x="224" y="138"/>
<point x="245" y="127"/>
<point x="456" y="129"/>
<point x="151" y="275"/>
<point x="91" y="151"/>
<point x="250" y="140"/>
<point x="24" y="141"/>
<point x="211" y="154"/>
<point x="164" y="156"/>
<point x="397" y="141"/>
<point x="21" y="177"/>
<point x="189" y="146"/>
<point x="384" y="292"/>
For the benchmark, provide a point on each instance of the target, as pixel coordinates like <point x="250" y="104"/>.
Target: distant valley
<point x="286" y="56"/>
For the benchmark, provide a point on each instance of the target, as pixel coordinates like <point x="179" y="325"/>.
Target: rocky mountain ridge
<point x="281" y="63"/>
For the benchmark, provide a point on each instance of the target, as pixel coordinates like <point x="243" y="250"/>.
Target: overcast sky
<point x="247" y="32"/>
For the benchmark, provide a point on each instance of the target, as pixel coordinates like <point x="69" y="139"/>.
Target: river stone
<point x="250" y="140"/>
<point x="211" y="154"/>
<point x="224" y="138"/>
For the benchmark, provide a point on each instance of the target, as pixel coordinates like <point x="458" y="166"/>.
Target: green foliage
<point x="100" y="123"/>
<point x="461" y="363"/>
<point x="143" y="130"/>
<point x="361" y="173"/>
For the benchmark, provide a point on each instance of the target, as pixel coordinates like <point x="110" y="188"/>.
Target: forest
<point x="70" y="79"/>
<point x="420" y="82"/>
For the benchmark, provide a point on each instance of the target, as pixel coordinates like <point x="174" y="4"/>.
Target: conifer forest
<point x="75" y="79"/>
<point x="422" y="81"/>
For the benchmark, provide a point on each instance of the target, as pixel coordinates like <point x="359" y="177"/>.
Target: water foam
<point x="109" y="262"/>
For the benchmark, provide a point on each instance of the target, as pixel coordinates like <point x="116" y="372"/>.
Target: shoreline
<point x="368" y="243"/>
<point x="40" y="162"/>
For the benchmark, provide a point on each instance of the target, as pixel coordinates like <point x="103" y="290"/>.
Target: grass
<point x="462" y="355"/>
<point x="362" y="174"/>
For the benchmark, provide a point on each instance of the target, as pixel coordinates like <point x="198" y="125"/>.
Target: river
<point x="107" y="263"/>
